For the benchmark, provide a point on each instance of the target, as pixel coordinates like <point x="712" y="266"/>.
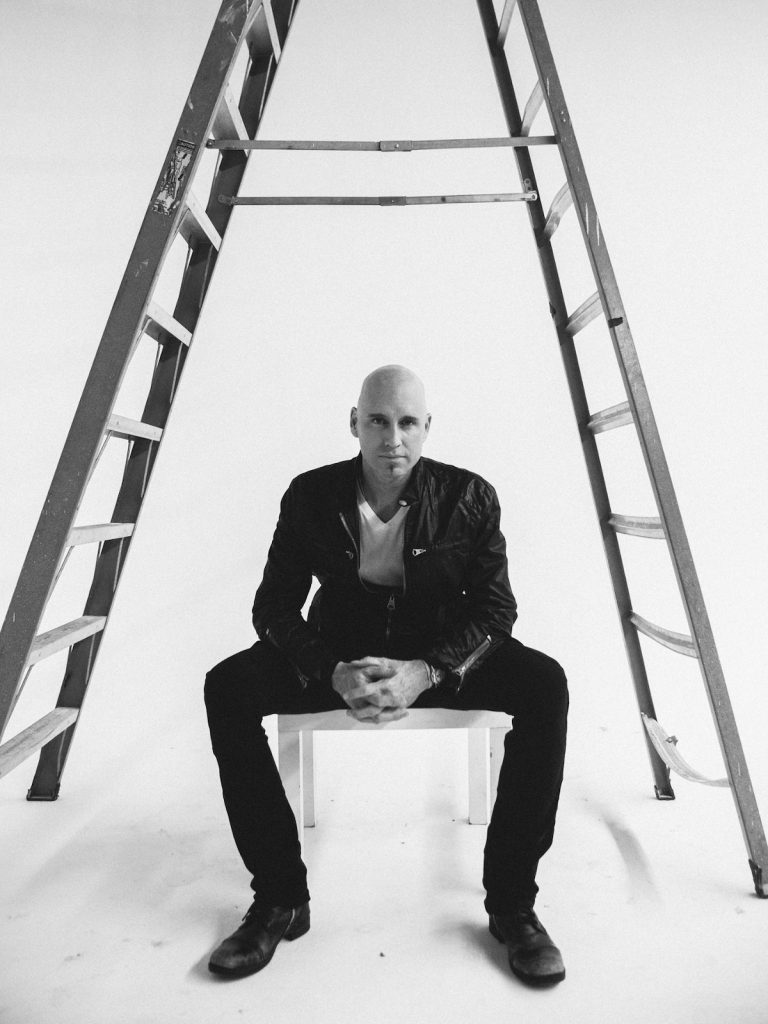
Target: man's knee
<point x="556" y="684"/>
<point x="548" y="684"/>
<point x="225" y="680"/>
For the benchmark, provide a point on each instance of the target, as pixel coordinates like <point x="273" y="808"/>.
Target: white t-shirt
<point x="381" y="545"/>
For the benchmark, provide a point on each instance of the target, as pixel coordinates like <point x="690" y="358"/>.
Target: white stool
<point x="485" y="731"/>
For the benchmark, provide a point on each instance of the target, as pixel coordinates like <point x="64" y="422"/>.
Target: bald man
<point x="414" y="609"/>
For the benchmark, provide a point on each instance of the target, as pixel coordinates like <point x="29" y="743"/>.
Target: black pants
<point x="514" y="679"/>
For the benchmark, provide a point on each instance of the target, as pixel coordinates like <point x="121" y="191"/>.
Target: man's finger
<point x="372" y="694"/>
<point x="366" y="713"/>
<point x="390" y="715"/>
<point x="376" y="716"/>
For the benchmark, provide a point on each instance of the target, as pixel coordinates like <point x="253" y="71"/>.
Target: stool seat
<point x="485" y="737"/>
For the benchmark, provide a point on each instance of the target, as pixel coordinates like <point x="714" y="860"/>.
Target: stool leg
<point x="497" y="755"/>
<point x="289" y="759"/>
<point x="478" y="776"/>
<point x="308" y="777"/>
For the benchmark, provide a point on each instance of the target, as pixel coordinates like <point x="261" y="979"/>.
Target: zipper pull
<point x="391" y="603"/>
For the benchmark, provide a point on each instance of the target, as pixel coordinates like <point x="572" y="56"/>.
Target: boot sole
<point x="547" y="981"/>
<point x="293" y="931"/>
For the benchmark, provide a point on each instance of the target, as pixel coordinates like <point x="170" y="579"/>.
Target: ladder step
<point x="272" y="29"/>
<point x="262" y="35"/>
<point x="681" y="643"/>
<point x="588" y="311"/>
<point x="506" y="18"/>
<point x="666" y="747"/>
<point x="121" y="426"/>
<point x="382" y="145"/>
<point x="638" y="526"/>
<point x="54" y="640"/>
<point x="159" y="321"/>
<point x="608" y="419"/>
<point x="491" y="197"/>
<point x="562" y="201"/>
<point x="35" y="736"/>
<point x="196" y="226"/>
<point x="97" y="533"/>
<point x="228" y="121"/>
<point x="532" y="108"/>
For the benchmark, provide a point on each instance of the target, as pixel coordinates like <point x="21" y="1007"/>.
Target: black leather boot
<point x="253" y="945"/>
<point x="533" y="956"/>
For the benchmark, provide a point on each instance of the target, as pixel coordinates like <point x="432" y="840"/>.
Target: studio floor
<point x="114" y="895"/>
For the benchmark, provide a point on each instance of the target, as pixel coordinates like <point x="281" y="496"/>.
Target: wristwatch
<point x="436" y="675"/>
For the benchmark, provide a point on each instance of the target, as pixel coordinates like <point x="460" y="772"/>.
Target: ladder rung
<point x="228" y="121"/>
<point x="35" y="736"/>
<point x="158" y="321"/>
<point x="98" y="532"/>
<point x="272" y="29"/>
<point x="666" y="747"/>
<point x="260" y="34"/>
<point x="54" y="640"/>
<point x="196" y="226"/>
<point x="506" y="18"/>
<point x="121" y="426"/>
<point x="681" y="643"/>
<point x="383" y="145"/>
<point x="617" y="416"/>
<point x="562" y="201"/>
<point x="638" y="526"/>
<point x="490" y="197"/>
<point x="588" y="311"/>
<point x="532" y="108"/>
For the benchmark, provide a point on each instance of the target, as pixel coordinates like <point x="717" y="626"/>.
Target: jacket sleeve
<point x="281" y="595"/>
<point x="488" y="608"/>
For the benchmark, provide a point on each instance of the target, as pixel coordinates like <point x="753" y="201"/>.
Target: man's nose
<point x="392" y="437"/>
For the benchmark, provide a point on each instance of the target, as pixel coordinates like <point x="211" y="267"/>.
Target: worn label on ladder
<point x="167" y="199"/>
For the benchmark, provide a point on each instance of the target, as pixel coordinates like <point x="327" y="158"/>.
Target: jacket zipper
<point x="391" y="601"/>
<point x="352" y="538"/>
<point x="462" y="669"/>
<point x="390" y="613"/>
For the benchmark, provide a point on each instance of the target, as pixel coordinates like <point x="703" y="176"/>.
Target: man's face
<point x="391" y="422"/>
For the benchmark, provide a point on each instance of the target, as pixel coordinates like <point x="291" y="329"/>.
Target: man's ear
<point x="353" y="421"/>
<point x="427" y="424"/>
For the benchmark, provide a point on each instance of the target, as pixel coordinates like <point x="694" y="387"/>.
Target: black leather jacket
<point x="456" y="601"/>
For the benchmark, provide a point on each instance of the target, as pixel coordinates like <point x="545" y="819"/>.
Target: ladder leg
<point x="557" y="305"/>
<point x="477" y="740"/>
<point x="172" y="206"/>
<point x="636" y="410"/>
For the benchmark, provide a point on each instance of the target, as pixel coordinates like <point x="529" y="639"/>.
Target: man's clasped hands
<point x="379" y="690"/>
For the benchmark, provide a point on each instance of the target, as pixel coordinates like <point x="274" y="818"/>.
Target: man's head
<point x="391" y="422"/>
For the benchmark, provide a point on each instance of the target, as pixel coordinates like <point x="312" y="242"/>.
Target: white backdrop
<point x="666" y="100"/>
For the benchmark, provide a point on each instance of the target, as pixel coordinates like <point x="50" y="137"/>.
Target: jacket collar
<point x="414" y="488"/>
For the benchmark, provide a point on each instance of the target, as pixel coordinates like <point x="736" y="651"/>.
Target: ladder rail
<point x="671" y="526"/>
<point x="165" y="380"/>
<point x="121" y="333"/>
<point x="650" y="443"/>
<point x="578" y="395"/>
<point x="132" y="314"/>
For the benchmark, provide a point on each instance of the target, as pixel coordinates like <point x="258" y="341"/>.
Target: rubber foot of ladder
<point x="52" y="794"/>
<point x="761" y="888"/>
